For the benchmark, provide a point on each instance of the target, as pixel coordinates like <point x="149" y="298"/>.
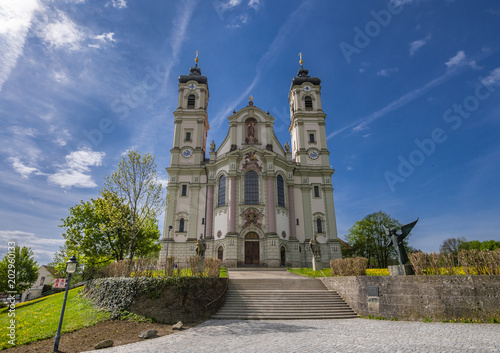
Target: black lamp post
<point x="70" y="269"/>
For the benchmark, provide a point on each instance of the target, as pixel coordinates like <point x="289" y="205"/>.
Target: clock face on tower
<point x="192" y="86"/>
<point x="186" y="152"/>
<point x="313" y="153"/>
<point x="307" y="88"/>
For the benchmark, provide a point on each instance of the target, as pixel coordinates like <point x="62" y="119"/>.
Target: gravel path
<point x="351" y="335"/>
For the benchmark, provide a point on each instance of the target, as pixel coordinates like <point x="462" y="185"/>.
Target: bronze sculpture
<point x="397" y="236"/>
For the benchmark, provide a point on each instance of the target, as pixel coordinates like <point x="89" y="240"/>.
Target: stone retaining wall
<point x="186" y="299"/>
<point x="420" y="297"/>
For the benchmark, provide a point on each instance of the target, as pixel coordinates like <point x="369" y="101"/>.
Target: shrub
<point x="194" y="265"/>
<point x="349" y="266"/>
<point x="212" y="266"/>
<point x="468" y="262"/>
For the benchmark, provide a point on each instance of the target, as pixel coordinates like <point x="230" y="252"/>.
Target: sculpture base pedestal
<point x="317" y="264"/>
<point x="201" y="264"/>
<point x="401" y="270"/>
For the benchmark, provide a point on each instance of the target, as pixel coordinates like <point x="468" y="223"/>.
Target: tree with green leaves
<point x="367" y="238"/>
<point x="96" y="233"/>
<point x="22" y="263"/>
<point x="136" y="182"/>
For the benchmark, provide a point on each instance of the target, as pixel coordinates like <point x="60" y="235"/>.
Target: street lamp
<point x="70" y="269"/>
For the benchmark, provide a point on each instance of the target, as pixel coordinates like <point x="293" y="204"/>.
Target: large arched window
<point x="281" y="191"/>
<point x="181" y="225"/>
<point x="309" y="103"/>
<point x="251" y="188"/>
<point x="191" y="101"/>
<point x="319" y="225"/>
<point x="222" y="191"/>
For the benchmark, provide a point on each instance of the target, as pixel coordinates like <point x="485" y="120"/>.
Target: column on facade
<point x="210" y="211"/>
<point x="232" y="205"/>
<point x="291" y="212"/>
<point x="308" y="223"/>
<point x="271" y="205"/>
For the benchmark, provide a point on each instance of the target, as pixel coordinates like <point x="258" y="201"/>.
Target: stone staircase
<point x="282" y="298"/>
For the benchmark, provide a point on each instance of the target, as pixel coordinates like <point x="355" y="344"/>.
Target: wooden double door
<point x="252" y="249"/>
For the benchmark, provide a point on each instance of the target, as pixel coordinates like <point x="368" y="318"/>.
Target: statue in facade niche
<point x="287" y="147"/>
<point x="397" y="236"/>
<point x="212" y="146"/>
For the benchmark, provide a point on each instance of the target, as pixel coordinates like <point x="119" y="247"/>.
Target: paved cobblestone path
<point x="351" y="335"/>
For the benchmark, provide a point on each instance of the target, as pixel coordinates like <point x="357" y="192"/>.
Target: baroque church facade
<point x="255" y="201"/>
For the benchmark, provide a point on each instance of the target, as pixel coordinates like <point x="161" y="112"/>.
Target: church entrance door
<point x="252" y="252"/>
<point x="283" y="256"/>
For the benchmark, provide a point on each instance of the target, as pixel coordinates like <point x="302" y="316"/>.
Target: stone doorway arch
<point x="283" y="256"/>
<point x="252" y="249"/>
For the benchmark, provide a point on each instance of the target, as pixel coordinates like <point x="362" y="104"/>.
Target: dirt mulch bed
<point x="121" y="332"/>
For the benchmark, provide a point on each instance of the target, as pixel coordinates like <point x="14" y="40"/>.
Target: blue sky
<point x="411" y="90"/>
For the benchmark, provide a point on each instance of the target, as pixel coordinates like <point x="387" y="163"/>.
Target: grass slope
<point x="38" y="319"/>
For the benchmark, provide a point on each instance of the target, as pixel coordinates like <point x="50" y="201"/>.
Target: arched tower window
<point x="251" y="188"/>
<point x="181" y="225"/>
<point x="281" y="191"/>
<point x="319" y="225"/>
<point x="191" y="101"/>
<point x="309" y="103"/>
<point x="222" y="191"/>
<point x="220" y="253"/>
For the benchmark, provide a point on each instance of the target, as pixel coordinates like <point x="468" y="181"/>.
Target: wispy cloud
<point x="457" y="61"/>
<point x="254" y="4"/>
<point x="416" y="45"/>
<point x="387" y="72"/>
<point x="63" y="33"/>
<point x="38" y="244"/>
<point x="119" y="4"/>
<point x="75" y="172"/>
<point x="493" y="79"/>
<point x="15" y="21"/>
<point x="22" y="169"/>
<point x="460" y="60"/>
<point x="291" y="25"/>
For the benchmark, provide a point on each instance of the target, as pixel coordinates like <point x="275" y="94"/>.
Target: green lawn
<point x="326" y="272"/>
<point x="309" y="272"/>
<point x="38" y="319"/>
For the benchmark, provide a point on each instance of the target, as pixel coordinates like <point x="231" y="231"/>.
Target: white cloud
<point x="387" y="72"/>
<point x="105" y="37"/>
<point x="75" y="171"/>
<point x="38" y="244"/>
<point x="22" y="169"/>
<point x="63" y="137"/>
<point x="493" y="79"/>
<point x="19" y="131"/>
<point x="460" y="60"/>
<point x="63" y="33"/>
<point x="118" y="4"/>
<point x="254" y="4"/>
<point x="416" y="45"/>
<point x="15" y="21"/>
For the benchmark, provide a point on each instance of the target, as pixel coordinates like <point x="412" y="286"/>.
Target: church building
<point x="255" y="201"/>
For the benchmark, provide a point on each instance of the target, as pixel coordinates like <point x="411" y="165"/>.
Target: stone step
<point x="276" y="284"/>
<point x="283" y="317"/>
<point x="282" y="298"/>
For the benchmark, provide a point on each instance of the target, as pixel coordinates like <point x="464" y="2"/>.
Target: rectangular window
<point x="203" y="221"/>
<point x="188" y="136"/>
<point x="316" y="191"/>
<point x="311" y="138"/>
<point x="297" y="221"/>
<point x="184" y="190"/>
